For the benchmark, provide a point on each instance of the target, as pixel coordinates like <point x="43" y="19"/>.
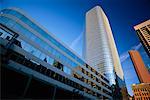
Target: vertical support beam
<point x="54" y="93"/>
<point x="27" y="86"/>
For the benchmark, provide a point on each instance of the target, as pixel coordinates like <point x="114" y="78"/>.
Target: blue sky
<point x="66" y="20"/>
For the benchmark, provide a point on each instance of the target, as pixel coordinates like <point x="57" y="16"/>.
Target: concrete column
<point x="54" y="93"/>
<point x="27" y="86"/>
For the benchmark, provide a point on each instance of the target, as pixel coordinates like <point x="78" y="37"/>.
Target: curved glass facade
<point x="42" y="32"/>
<point x="36" y="41"/>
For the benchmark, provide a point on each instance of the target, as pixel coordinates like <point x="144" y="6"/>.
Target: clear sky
<point x="66" y="20"/>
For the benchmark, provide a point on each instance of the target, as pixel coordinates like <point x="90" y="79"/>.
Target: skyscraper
<point x="143" y="32"/>
<point x="142" y="72"/>
<point x="100" y="49"/>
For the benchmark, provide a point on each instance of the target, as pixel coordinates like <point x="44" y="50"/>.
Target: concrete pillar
<point x="54" y="93"/>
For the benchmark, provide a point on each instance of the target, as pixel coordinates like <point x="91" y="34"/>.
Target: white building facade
<point x="100" y="49"/>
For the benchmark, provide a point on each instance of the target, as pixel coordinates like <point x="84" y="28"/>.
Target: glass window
<point x="40" y="42"/>
<point x="37" y="53"/>
<point x="50" y="60"/>
<point x="1" y="33"/>
<point x="5" y="34"/>
<point x="42" y="56"/>
<point x="67" y="70"/>
<point x="3" y="20"/>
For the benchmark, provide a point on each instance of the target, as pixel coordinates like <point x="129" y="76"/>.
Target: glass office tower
<point x="41" y="66"/>
<point x="100" y="49"/>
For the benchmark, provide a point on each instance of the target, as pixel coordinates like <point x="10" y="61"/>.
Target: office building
<point x="142" y="72"/>
<point x="145" y="57"/>
<point x="141" y="91"/>
<point x="100" y="50"/>
<point x="143" y="32"/>
<point x="37" y="65"/>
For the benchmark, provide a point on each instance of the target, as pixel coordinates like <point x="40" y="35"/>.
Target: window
<point x="1" y="33"/>
<point x="58" y="65"/>
<point x="48" y="72"/>
<point x="145" y="30"/>
<point x="67" y="70"/>
<point x="5" y="35"/>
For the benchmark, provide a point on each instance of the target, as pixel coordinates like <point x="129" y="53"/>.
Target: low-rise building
<point x="141" y="91"/>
